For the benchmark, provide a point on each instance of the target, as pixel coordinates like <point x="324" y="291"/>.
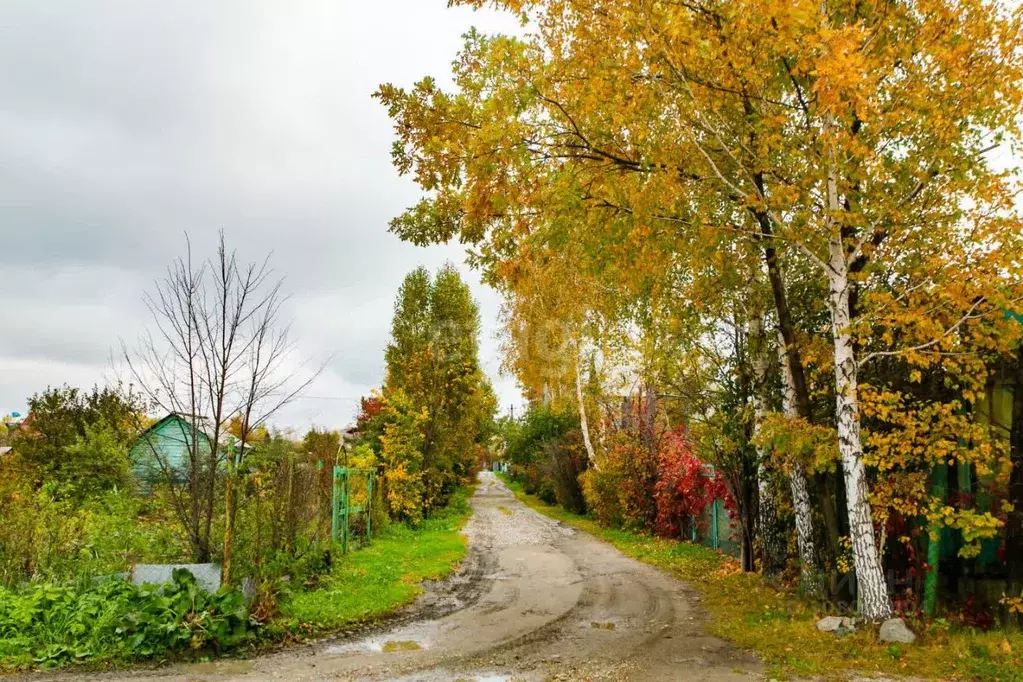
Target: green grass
<point x="779" y="626"/>
<point x="373" y="581"/>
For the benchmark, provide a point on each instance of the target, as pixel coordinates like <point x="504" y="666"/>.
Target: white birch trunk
<point x="870" y="580"/>
<point x="590" y="454"/>
<point x="811" y="579"/>
<point x="772" y="540"/>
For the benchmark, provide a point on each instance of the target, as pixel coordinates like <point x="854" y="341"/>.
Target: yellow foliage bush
<point x="405" y="494"/>
<point x="600" y="491"/>
<point x="402" y="453"/>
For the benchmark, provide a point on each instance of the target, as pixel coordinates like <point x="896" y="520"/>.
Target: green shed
<point x="164" y="447"/>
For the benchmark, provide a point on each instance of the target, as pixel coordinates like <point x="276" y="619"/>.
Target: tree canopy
<point x="651" y="171"/>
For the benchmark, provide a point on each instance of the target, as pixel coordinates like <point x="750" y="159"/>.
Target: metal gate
<point x="342" y="507"/>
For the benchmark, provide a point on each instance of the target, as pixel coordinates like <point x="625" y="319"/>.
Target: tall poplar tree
<point x="433" y="363"/>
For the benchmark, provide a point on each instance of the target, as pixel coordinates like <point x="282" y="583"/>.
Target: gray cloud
<point x="124" y="124"/>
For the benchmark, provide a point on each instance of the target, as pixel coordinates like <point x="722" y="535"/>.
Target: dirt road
<point x="534" y="601"/>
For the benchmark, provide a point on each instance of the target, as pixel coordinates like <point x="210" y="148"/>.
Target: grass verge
<point x="387" y="574"/>
<point x="779" y="626"/>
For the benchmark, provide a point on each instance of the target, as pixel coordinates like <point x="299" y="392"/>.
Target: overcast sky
<point x="125" y="124"/>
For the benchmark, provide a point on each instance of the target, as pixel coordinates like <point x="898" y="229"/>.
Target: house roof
<point x="203" y="425"/>
<point x="5" y="450"/>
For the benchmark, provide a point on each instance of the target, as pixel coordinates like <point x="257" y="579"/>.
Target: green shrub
<point x="542" y="425"/>
<point x="78" y="439"/>
<point x="112" y="620"/>
<point x="46" y="537"/>
<point x="547" y="456"/>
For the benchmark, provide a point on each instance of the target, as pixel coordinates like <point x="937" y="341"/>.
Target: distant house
<point x="164" y="448"/>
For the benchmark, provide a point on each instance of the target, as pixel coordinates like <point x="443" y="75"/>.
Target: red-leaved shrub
<point x="684" y="486"/>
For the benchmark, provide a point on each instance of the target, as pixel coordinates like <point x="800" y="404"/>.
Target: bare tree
<point x="216" y="351"/>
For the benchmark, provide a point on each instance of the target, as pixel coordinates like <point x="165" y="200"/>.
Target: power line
<point x="326" y="397"/>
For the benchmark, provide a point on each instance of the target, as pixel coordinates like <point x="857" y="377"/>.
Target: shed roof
<point x="199" y="423"/>
<point x="203" y="425"/>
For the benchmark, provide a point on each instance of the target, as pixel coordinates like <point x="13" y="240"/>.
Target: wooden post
<point x="319" y="497"/>
<point x="225" y="567"/>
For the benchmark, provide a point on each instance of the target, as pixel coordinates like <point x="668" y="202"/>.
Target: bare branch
<point x="215" y="351"/>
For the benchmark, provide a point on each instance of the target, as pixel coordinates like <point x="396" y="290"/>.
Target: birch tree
<point x="852" y="135"/>
<point x="809" y="560"/>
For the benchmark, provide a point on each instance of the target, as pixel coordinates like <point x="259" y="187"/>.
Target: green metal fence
<point x="716" y="529"/>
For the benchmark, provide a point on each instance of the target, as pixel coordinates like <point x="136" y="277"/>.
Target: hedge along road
<point x="534" y="600"/>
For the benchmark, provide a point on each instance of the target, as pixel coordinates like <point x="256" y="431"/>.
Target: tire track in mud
<point x="626" y="621"/>
<point x="464" y="587"/>
<point x="456" y="592"/>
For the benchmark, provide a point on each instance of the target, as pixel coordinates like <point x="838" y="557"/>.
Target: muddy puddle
<point x="454" y="676"/>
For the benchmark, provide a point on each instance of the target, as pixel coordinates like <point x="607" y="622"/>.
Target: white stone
<point x="207" y="576"/>
<point x="895" y="630"/>
<point x="829" y="624"/>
